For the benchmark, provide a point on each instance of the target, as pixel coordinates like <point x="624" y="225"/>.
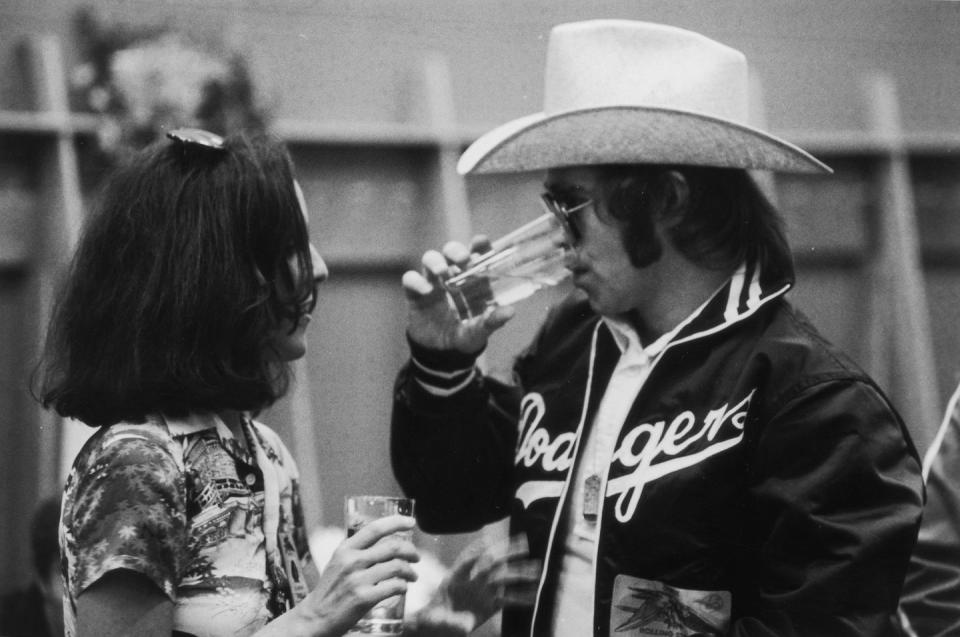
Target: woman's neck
<point x="234" y="421"/>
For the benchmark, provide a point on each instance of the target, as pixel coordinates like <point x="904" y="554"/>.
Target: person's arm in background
<point x="930" y="604"/>
<point x="835" y="504"/>
<point x="485" y="578"/>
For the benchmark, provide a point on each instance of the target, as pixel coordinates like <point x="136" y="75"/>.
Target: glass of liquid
<point x="386" y="618"/>
<point x="530" y="258"/>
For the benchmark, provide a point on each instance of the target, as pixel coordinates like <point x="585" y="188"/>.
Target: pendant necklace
<point x="594" y="479"/>
<point x="591" y="497"/>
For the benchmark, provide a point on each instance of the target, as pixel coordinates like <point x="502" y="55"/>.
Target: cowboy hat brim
<point x="630" y="135"/>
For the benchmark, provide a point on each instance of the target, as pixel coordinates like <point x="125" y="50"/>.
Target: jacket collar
<point x="747" y="290"/>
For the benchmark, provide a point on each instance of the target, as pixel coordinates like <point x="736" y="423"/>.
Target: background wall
<point x="375" y="98"/>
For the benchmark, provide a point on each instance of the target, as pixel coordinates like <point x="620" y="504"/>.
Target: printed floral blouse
<point x="217" y="526"/>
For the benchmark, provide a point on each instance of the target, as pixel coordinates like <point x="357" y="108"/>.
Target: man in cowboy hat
<point x="681" y="448"/>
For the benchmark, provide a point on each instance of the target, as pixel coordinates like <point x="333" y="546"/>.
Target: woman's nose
<point x="320" y="271"/>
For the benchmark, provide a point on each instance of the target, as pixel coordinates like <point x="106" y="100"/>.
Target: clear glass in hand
<point x="386" y="618"/>
<point x="530" y="258"/>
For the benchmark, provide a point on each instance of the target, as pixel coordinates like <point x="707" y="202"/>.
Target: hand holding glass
<point x="528" y="259"/>
<point x="386" y="618"/>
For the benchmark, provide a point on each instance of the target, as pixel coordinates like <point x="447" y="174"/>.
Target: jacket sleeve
<point x="931" y="594"/>
<point x="835" y="503"/>
<point x="453" y="435"/>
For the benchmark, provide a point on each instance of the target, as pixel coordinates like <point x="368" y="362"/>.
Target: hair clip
<point x="198" y="137"/>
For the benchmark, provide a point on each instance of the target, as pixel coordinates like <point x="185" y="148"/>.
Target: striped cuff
<point x="442" y="373"/>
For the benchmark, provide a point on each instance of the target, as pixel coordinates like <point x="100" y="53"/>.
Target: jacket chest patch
<point x="645" y="607"/>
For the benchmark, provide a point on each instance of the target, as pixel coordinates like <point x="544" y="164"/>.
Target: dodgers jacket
<point x="761" y="483"/>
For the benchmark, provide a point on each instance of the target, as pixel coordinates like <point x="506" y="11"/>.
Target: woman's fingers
<point x="371" y="532"/>
<point x="396" y="570"/>
<point x="389" y="548"/>
<point x="389" y="587"/>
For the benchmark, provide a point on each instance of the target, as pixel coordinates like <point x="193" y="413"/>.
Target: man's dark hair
<point x="728" y="219"/>
<point x="181" y="273"/>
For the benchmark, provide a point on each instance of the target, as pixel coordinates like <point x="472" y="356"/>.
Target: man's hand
<point x="484" y="579"/>
<point x="432" y="321"/>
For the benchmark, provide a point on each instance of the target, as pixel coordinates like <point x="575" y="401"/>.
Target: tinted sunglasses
<point x="563" y="212"/>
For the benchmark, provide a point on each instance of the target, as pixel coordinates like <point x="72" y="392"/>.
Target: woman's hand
<point x="365" y="569"/>
<point x="432" y="322"/>
<point x="484" y="579"/>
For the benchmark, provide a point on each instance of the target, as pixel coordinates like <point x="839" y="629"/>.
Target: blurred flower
<point x="144" y="81"/>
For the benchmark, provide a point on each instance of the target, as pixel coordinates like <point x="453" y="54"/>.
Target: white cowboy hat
<point x="620" y="91"/>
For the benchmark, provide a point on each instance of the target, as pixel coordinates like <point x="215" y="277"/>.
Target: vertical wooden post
<point x="901" y="346"/>
<point x="303" y="420"/>
<point x="758" y="118"/>
<point x="452" y="193"/>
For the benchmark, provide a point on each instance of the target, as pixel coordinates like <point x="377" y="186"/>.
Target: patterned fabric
<point x="185" y="504"/>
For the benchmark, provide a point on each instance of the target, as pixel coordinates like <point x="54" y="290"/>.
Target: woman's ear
<point x="676" y="198"/>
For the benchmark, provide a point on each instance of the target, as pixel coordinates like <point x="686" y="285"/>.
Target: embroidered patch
<point x="646" y="607"/>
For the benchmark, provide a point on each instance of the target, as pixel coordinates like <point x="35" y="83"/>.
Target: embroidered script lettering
<point x="655" y="449"/>
<point x="535" y="444"/>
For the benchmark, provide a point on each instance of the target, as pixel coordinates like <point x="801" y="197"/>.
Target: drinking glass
<point x="530" y="258"/>
<point x="386" y="618"/>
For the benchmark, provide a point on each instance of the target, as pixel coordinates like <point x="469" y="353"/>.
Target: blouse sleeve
<point x="127" y="510"/>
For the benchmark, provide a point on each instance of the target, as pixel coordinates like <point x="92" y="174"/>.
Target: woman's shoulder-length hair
<point x="182" y="270"/>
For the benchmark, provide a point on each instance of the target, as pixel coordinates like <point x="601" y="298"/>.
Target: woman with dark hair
<point x="188" y="298"/>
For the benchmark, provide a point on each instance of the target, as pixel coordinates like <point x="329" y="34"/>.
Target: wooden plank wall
<point x="329" y="66"/>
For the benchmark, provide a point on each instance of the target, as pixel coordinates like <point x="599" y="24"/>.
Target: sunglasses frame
<point x="563" y="214"/>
